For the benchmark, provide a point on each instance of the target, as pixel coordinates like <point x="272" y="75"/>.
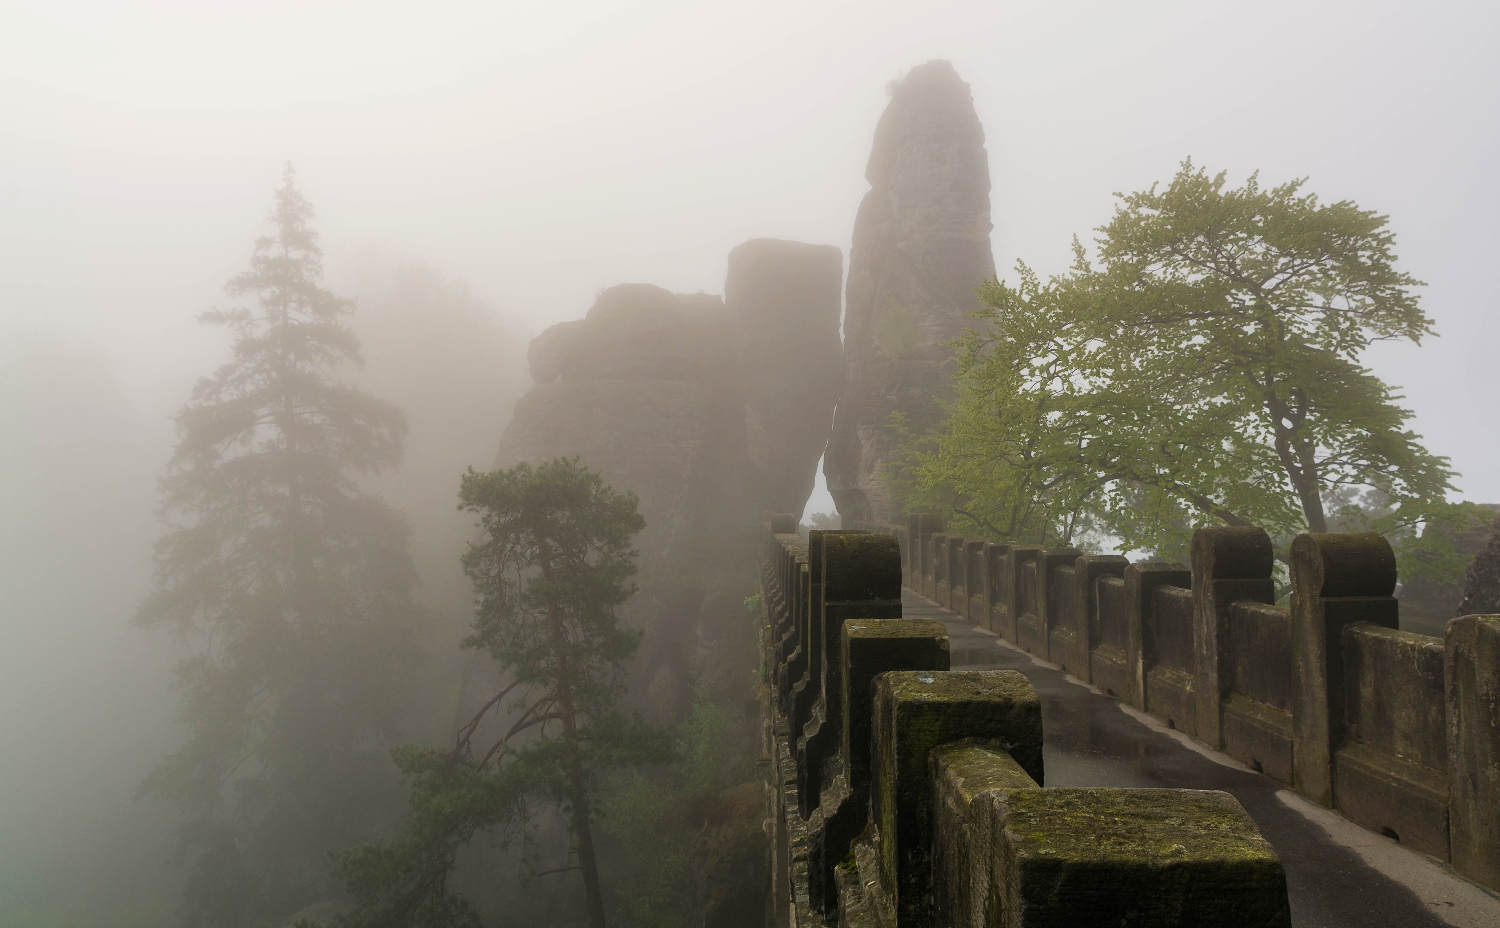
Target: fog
<point x="481" y="171"/>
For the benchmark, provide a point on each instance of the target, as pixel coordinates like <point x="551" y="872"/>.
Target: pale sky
<point x="543" y="151"/>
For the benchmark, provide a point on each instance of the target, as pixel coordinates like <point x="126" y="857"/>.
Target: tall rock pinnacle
<point x="921" y="245"/>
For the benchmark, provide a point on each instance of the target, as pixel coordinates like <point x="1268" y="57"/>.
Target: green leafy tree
<point x="553" y="563"/>
<point x="1211" y="364"/>
<point x="296" y="586"/>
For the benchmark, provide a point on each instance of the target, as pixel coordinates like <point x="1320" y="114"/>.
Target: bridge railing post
<point x="1086" y="573"/>
<point x="860" y="576"/>
<point x="1337" y="579"/>
<point x="1229" y="564"/>
<point x="868" y="648"/>
<point x="1472" y="677"/>
<point x="1141" y="581"/>
<point x="914" y="712"/>
<point x="1048" y="562"/>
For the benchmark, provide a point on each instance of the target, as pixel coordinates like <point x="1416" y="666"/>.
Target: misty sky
<point x="543" y="151"/>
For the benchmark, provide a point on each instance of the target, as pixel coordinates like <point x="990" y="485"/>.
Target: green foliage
<point x="823" y="521"/>
<point x="553" y="563"/>
<point x="296" y="585"/>
<point x="654" y="820"/>
<point x="1207" y="373"/>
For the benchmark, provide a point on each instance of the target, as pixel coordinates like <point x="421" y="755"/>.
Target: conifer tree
<point x="293" y="586"/>
<point x="553" y="563"/>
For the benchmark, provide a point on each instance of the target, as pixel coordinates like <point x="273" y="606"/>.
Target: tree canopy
<point x="1207" y="371"/>
<point x="295" y="586"/>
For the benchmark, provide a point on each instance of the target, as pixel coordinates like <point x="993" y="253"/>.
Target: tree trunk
<point x="588" y="864"/>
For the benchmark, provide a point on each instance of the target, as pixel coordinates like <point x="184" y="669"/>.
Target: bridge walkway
<point x="1338" y="874"/>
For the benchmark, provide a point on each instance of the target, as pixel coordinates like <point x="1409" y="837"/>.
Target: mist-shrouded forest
<point x="476" y="176"/>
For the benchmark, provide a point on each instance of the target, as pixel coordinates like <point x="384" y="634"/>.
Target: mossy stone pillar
<point x="861" y="579"/>
<point x="966" y="775"/>
<point x="869" y="647"/>
<point x="916" y="711"/>
<point x="1229" y="564"/>
<point x="1338" y="578"/>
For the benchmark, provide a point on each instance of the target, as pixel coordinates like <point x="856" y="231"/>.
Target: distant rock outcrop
<point x="674" y="397"/>
<point x="785" y="297"/>
<point x="921" y="245"/>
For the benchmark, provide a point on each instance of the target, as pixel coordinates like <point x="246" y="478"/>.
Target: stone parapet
<point x="890" y="807"/>
<point x="1399" y="732"/>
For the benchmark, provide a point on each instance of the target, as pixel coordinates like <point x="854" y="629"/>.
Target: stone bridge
<point x="963" y="732"/>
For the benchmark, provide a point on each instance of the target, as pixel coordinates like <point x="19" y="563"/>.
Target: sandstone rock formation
<point x="712" y="411"/>
<point x="921" y="245"/>
<point x="785" y="297"/>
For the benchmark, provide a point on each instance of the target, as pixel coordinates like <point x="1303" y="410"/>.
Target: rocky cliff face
<point x="921" y="245"/>
<point x="712" y="411"/>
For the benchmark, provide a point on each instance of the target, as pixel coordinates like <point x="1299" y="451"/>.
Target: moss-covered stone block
<point x="916" y="711"/>
<point x="872" y="647"/>
<point x="868" y="647"/>
<point x="964" y="775"/>
<point x="1139" y="857"/>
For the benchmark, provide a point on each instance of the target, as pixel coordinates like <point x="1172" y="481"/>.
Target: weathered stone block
<point x="976" y="582"/>
<point x="1391" y="795"/>
<point x="868" y="648"/>
<point x="1013" y="593"/>
<point x="958" y="564"/>
<point x="964" y="775"/>
<point x="1472" y="672"/>
<point x="1167" y="653"/>
<point x="861" y="576"/>
<point x="916" y="711"/>
<point x="940" y="573"/>
<point x="1048" y="600"/>
<point x="1109" y="857"/>
<point x="783" y="523"/>
<point x="1337" y="579"/>
<point x="1109" y="665"/>
<point x="1086" y="573"/>
<point x="1230" y="564"/>
<point x="1258" y="736"/>
<point x="1141" y="581"/>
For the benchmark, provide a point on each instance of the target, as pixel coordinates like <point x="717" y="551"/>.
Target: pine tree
<point x="294" y="586"/>
<point x="553" y="563"/>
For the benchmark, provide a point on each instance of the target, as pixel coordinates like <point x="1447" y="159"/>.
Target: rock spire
<point x="921" y="245"/>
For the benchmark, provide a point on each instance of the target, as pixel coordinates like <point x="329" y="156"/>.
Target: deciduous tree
<point x="1211" y="363"/>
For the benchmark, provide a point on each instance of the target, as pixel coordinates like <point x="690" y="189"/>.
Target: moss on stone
<point x="1135" y="825"/>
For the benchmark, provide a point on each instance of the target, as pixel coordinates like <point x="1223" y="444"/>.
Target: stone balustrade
<point x="1399" y="732"/>
<point x="905" y="795"/>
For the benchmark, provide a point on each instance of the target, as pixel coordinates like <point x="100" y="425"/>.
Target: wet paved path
<point x="1338" y="874"/>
